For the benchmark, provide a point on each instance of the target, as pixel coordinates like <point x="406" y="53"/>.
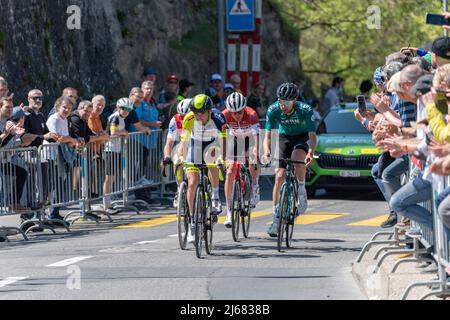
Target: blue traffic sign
<point x="240" y="15"/>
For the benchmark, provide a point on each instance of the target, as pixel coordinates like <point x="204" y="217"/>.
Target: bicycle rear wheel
<point x="283" y="207"/>
<point x="183" y="216"/>
<point x="247" y="212"/>
<point x="199" y="222"/>
<point x="236" y="214"/>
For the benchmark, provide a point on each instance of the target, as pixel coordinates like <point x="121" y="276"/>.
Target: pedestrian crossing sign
<point x="241" y="16"/>
<point x="240" y="7"/>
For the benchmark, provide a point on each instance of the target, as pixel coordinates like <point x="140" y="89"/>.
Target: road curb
<point x="384" y="285"/>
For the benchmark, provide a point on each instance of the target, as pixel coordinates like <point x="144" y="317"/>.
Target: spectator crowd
<point x="411" y="126"/>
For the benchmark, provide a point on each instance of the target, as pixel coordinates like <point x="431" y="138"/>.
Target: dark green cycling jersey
<point x="301" y="121"/>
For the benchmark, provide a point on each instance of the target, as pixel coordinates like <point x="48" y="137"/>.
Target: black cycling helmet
<point x="201" y="103"/>
<point x="288" y="91"/>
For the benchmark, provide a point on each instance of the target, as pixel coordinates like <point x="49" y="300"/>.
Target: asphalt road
<point x="138" y="257"/>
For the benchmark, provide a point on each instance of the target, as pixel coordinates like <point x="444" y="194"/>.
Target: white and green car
<point x="345" y="152"/>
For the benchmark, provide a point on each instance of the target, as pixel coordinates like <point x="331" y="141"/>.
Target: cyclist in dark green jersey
<point x="295" y="123"/>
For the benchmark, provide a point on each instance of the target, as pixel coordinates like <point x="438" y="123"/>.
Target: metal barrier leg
<point x="445" y="292"/>
<point x="383" y="233"/>
<point x="417" y="285"/>
<point x="395" y="246"/>
<point x="393" y="234"/>
<point x="39" y="223"/>
<point x="403" y="261"/>
<point x="121" y="206"/>
<point x="7" y="231"/>
<point x="387" y="254"/>
<point x="367" y="247"/>
<point x="416" y="257"/>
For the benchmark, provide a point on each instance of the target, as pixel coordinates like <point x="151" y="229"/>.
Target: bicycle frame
<point x="288" y="184"/>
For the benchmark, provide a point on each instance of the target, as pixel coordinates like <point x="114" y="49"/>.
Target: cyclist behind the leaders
<point x="243" y="133"/>
<point x="173" y="137"/>
<point x="297" y="141"/>
<point x="203" y="138"/>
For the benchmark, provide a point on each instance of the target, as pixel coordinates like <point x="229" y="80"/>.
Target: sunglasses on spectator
<point x="38" y="98"/>
<point x="73" y="97"/>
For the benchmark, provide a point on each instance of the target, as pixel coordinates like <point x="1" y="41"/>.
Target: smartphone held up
<point x="437" y="19"/>
<point x="362" y="104"/>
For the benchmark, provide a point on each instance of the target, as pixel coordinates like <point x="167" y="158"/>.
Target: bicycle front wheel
<point x="236" y="214"/>
<point x="199" y="222"/>
<point x="247" y="212"/>
<point x="208" y="227"/>
<point x="291" y="217"/>
<point x="283" y="211"/>
<point x="183" y="216"/>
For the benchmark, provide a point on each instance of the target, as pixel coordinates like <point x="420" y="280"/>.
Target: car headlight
<point x="316" y="155"/>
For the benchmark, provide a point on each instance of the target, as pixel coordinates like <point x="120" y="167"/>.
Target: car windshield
<point x="341" y="121"/>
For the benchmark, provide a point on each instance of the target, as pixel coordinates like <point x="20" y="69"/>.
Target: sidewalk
<point x="384" y="285"/>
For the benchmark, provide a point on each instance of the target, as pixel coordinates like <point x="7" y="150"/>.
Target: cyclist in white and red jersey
<point x="243" y="131"/>
<point x="174" y="136"/>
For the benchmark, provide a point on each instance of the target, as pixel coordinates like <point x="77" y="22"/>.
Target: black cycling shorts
<point x="288" y="144"/>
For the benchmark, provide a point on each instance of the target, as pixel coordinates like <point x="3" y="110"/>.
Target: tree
<point x="338" y="37"/>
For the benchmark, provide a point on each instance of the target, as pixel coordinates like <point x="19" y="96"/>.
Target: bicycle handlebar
<point x="291" y="161"/>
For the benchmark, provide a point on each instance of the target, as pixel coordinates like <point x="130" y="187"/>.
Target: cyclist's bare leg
<point x="192" y="186"/>
<point x="279" y="180"/>
<point x="255" y="173"/>
<point x="213" y="174"/>
<point x="300" y="170"/>
<point x="229" y="183"/>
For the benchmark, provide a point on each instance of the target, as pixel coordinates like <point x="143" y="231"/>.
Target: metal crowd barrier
<point x="143" y="172"/>
<point x="56" y="176"/>
<point x="441" y="255"/>
<point x="433" y="241"/>
<point x="19" y="178"/>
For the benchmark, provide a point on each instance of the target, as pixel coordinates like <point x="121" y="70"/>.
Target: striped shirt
<point x="407" y="112"/>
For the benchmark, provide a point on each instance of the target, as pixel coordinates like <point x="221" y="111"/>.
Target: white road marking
<point x="147" y="242"/>
<point x="68" y="262"/>
<point x="173" y="236"/>
<point x="11" y="280"/>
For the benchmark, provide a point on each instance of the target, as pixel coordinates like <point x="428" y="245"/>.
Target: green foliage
<point x="335" y="38"/>
<point x="122" y="17"/>
<point x="202" y="40"/>
<point x="2" y="40"/>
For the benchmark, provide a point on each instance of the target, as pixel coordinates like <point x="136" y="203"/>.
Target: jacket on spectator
<point x="79" y="128"/>
<point x="440" y="130"/>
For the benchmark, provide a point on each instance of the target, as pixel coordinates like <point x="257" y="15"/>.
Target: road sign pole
<point x="221" y="35"/>
<point x="446" y="10"/>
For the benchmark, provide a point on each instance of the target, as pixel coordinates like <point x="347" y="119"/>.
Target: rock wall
<point x="117" y="39"/>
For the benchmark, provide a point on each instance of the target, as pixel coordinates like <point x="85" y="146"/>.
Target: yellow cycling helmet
<point x="201" y="103"/>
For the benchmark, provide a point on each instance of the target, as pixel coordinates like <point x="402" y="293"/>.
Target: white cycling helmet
<point x="184" y="107"/>
<point x="125" y="103"/>
<point x="236" y="102"/>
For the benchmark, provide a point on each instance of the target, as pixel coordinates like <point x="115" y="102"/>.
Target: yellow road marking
<point x="374" y="222"/>
<point x="151" y="223"/>
<point x="173" y="218"/>
<point x="316" y="217"/>
<point x="254" y="216"/>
